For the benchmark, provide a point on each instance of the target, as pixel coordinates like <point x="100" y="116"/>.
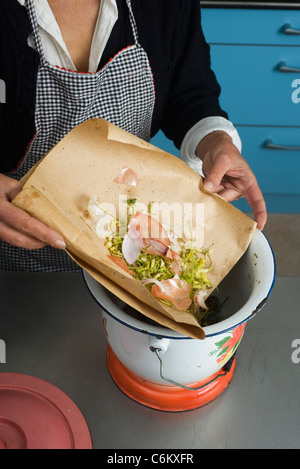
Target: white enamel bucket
<point x="166" y="357"/>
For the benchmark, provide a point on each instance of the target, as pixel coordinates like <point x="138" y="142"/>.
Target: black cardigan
<point x="169" y="31"/>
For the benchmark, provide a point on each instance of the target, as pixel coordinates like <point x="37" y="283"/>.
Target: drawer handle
<point x="269" y="145"/>
<point x="287" y="29"/>
<point x="284" y="68"/>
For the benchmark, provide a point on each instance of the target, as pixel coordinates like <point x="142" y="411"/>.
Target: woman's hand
<point x="17" y="227"/>
<point x="228" y="174"/>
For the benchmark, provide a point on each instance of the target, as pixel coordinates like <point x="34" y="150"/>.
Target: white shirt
<point x="55" y="49"/>
<point x="56" y="53"/>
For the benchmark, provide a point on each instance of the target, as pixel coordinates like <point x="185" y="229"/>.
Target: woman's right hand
<point x="17" y="227"/>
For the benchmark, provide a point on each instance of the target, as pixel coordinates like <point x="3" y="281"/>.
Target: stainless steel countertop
<point x="52" y="330"/>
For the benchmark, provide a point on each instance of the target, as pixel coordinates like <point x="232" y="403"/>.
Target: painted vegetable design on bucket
<point x="228" y="345"/>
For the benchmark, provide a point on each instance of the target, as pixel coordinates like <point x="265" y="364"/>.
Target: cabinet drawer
<point x="243" y="26"/>
<point x="254" y="90"/>
<point x="277" y="170"/>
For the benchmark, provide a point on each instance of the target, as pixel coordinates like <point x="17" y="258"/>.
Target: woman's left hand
<point x="228" y="174"/>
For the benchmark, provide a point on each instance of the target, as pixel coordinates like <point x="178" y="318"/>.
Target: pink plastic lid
<point x="34" y="414"/>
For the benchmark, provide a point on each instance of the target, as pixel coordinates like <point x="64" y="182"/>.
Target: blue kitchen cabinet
<point x="254" y="89"/>
<point x="256" y="57"/>
<point x="251" y="26"/>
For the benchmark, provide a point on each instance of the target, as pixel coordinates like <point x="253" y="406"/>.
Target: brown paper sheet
<point x="84" y="164"/>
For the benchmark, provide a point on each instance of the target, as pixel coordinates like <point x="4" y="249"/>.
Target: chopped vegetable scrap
<point x="170" y="268"/>
<point x="175" y="291"/>
<point x="128" y="177"/>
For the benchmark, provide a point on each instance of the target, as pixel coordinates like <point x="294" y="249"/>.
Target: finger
<point x="9" y="188"/>
<point x="218" y="170"/>
<point x="20" y="221"/>
<point x="18" y="239"/>
<point x="230" y="194"/>
<point x="256" y="200"/>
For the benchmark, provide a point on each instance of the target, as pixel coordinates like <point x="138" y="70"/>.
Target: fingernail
<point x="208" y="186"/>
<point x="60" y="244"/>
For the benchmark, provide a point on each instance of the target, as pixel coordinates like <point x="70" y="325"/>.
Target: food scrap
<point x="127" y="176"/>
<point x="173" y="270"/>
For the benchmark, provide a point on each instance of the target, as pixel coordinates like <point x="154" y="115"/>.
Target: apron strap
<point x="35" y="29"/>
<point x="133" y="23"/>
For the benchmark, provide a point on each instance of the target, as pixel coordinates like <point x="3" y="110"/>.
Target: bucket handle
<point x="226" y="368"/>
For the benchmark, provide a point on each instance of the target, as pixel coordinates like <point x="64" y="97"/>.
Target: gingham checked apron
<point x="122" y="92"/>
